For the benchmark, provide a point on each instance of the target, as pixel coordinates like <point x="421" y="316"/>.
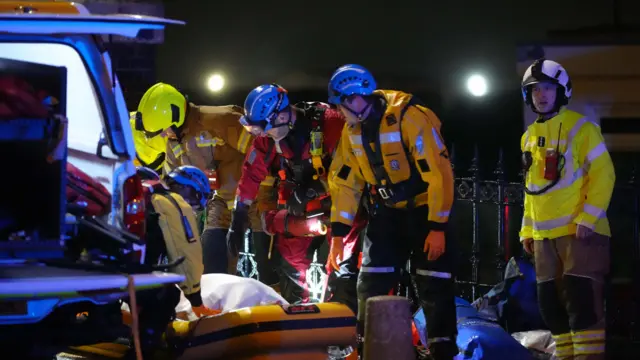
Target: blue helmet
<point x="263" y="104"/>
<point x="193" y="177"/>
<point x="146" y="173"/>
<point x="350" y="80"/>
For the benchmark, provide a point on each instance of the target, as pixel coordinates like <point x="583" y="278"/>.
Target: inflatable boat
<point x="266" y="332"/>
<point x="269" y="332"/>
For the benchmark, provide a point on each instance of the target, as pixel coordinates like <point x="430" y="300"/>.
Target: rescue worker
<point x="150" y="153"/>
<point x="392" y="148"/>
<point x="172" y="227"/>
<point x="296" y="142"/>
<point x="210" y="138"/>
<point x="192" y="184"/>
<point x="568" y="186"/>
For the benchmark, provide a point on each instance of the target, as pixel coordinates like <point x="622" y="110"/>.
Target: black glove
<point x="239" y="222"/>
<point x="312" y="110"/>
<point x="297" y="202"/>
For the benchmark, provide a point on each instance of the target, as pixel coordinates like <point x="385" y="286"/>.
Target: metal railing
<point x="485" y="222"/>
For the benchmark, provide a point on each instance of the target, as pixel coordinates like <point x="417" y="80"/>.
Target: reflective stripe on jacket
<point x="425" y="151"/>
<point x="582" y="195"/>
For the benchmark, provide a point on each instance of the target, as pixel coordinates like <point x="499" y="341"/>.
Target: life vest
<point x="296" y="168"/>
<point x="172" y="218"/>
<point x="383" y="156"/>
<point x="315" y="148"/>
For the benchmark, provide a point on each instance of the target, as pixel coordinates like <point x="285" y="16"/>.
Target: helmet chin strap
<point x="360" y="114"/>
<point x="288" y="125"/>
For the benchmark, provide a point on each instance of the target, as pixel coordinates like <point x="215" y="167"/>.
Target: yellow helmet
<point x="160" y="108"/>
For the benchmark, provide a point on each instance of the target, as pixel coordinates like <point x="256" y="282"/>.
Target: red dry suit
<point x="301" y="169"/>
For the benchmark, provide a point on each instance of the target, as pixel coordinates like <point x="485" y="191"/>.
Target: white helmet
<point x="543" y="70"/>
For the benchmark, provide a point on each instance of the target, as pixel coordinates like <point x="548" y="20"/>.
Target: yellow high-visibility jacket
<point x="582" y="195"/>
<point x="409" y="133"/>
<point x="149" y="152"/>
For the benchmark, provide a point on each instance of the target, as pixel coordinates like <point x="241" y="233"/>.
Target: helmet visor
<point x="253" y="129"/>
<point x="140" y="127"/>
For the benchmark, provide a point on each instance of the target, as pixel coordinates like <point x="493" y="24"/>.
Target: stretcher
<point x="269" y="332"/>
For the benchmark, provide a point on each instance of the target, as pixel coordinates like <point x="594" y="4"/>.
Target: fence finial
<point x="499" y="171"/>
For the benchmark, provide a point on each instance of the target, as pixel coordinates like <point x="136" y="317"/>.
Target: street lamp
<point x="215" y="83"/>
<point x="477" y="85"/>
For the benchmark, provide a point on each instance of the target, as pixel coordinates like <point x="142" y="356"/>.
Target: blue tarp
<point x="479" y="338"/>
<point x="512" y="304"/>
<point x="523" y="313"/>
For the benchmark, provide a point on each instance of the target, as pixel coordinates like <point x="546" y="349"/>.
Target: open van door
<point x="95" y="103"/>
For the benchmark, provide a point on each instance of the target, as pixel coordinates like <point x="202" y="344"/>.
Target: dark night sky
<point x="426" y="47"/>
<point x="257" y="41"/>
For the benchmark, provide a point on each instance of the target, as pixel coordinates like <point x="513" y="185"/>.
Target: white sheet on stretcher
<point x="229" y="292"/>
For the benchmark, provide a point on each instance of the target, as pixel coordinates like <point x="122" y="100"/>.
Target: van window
<point x="83" y="107"/>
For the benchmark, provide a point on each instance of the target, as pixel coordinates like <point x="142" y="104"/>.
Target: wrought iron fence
<point x="484" y="227"/>
<point x="486" y="219"/>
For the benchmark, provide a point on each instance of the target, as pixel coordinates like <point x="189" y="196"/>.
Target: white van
<point x="100" y="141"/>
<point x="65" y="35"/>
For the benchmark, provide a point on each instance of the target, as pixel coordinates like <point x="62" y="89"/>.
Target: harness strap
<point x="383" y="182"/>
<point x="384" y="187"/>
<point x="188" y="232"/>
